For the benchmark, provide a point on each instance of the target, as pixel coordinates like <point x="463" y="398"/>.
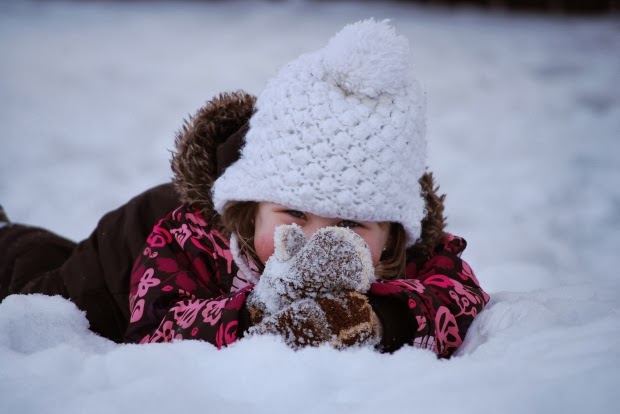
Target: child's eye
<point x="296" y="213"/>
<point x="348" y="224"/>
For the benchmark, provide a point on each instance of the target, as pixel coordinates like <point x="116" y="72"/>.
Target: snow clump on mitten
<point x="335" y="259"/>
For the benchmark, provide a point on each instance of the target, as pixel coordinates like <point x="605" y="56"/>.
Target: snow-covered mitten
<point x="342" y="320"/>
<point x="334" y="259"/>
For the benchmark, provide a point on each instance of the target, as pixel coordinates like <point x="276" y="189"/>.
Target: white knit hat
<point x="339" y="132"/>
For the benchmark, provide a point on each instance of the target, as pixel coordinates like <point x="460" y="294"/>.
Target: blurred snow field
<point x="523" y="127"/>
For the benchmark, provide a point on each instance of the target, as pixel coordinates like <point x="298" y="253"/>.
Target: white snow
<point x="524" y="123"/>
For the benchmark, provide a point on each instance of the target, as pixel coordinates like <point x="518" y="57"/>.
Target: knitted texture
<point x="342" y="320"/>
<point x="312" y="291"/>
<point x="334" y="259"/>
<point x="339" y="132"/>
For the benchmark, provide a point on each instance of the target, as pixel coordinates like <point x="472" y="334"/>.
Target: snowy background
<point x="524" y="131"/>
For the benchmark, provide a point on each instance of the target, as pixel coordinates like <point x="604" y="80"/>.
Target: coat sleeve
<point x="433" y="306"/>
<point x="179" y="288"/>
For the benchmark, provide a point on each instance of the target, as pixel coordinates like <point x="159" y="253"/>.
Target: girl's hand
<point x="335" y="259"/>
<point x="342" y="320"/>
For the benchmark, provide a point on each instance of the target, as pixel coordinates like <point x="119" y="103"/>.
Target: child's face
<point x="271" y="215"/>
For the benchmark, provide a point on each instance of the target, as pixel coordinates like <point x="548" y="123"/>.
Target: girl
<point x="335" y="141"/>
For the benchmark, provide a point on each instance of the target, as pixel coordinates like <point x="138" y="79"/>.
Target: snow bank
<point x="546" y="351"/>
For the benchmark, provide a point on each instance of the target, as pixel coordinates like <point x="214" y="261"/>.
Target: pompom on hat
<point x="339" y="132"/>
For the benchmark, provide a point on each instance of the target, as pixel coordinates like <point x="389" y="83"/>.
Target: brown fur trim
<point x="194" y="161"/>
<point x="433" y="224"/>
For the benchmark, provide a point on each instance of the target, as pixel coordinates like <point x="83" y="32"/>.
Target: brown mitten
<point x="335" y="259"/>
<point x="342" y="320"/>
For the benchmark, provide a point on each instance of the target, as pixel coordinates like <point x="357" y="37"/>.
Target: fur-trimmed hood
<point x="225" y="118"/>
<point x="194" y="162"/>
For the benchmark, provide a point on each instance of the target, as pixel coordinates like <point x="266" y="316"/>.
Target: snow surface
<point x="524" y="123"/>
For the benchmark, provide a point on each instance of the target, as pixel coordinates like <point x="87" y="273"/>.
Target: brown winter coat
<point x="95" y="273"/>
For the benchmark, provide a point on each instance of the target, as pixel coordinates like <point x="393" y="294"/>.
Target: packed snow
<point x="524" y="124"/>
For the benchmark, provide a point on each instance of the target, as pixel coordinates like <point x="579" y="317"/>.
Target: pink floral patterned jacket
<point x="186" y="285"/>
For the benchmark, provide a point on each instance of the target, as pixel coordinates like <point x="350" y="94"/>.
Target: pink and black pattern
<point x="181" y="284"/>
<point x="434" y="305"/>
<point x="182" y="288"/>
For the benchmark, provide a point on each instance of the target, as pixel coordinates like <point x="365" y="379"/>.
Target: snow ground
<point x="524" y="124"/>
